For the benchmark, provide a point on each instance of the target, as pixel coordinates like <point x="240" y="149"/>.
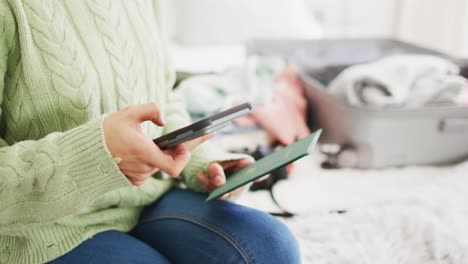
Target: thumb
<point x="148" y="112"/>
<point x="216" y="174"/>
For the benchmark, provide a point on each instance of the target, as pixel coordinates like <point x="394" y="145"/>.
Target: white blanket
<point x="405" y="216"/>
<point x="427" y="226"/>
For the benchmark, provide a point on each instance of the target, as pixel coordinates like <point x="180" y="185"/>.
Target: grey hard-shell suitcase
<point x="366" y="138"/>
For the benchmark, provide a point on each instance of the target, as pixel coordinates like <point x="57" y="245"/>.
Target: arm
<point x="55" y="176"/>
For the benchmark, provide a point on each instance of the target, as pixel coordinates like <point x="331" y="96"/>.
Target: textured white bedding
<point x="406" y="215"/>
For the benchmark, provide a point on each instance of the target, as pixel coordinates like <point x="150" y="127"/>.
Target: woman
<point x="79" y="186"/>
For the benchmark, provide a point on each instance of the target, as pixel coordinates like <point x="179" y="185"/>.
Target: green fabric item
<point x="63" y="66"/>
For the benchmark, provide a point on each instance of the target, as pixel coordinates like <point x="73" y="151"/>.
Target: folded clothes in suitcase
<point x="363" y="137"/>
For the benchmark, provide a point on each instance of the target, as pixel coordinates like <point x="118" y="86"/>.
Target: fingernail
<point x="218" y="180"/>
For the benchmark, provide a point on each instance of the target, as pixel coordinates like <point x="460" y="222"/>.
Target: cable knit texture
<point x="63" y="65"/>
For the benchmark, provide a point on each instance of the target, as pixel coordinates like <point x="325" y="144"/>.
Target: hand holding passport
<point x="268" y="164"/>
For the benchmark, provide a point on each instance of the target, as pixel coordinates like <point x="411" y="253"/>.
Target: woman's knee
<point x="273" y="241"/>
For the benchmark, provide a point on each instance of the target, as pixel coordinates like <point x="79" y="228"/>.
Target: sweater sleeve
<point x="55" y="176"/>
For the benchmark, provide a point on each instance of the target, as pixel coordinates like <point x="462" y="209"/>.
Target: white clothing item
<point x="400" y="81"/>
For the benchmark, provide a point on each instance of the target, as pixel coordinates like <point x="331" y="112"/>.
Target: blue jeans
<point x="182" y="228"/>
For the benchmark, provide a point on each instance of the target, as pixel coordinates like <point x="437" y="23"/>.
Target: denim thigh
<point x="112" y="247"/>
<point x="185" y="229"/>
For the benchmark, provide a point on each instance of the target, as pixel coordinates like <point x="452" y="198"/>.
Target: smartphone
<point x="202" y="127"/>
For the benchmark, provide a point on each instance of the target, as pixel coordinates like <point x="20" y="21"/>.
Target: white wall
<point x="230" y="22"/>
<point x="464" y="32"/>
<point x="437" y="24"/>
<point x="355" y="18"/>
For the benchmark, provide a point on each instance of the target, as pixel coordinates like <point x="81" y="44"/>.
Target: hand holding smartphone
<point x="202" y="127"/>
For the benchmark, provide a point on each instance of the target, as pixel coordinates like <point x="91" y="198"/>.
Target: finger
<point x="139" y="172"/>
<point x="245" y="162"/>
<point x="154" y="171"/>
<point x="238" y="191"/>
<point x="262" y="178"/>
<point x="172" y="161"/>
<point x="137" y="176"/>
<point x="238" y="163"/>
<point x="206" y="182"/>
<point x="192" y="144"/>
<point x="225" y="196"/>
<point x="148" y="112"/>
<point x="216" y="173"/>
<point x="233" y="166"/>
<point x="229" y="164"/>
<point x="136" y="182"/>
<point x="233" y="193"/>
<point x="136" y="167"/>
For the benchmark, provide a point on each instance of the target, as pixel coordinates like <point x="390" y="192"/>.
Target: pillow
<point x="231" y="22"/>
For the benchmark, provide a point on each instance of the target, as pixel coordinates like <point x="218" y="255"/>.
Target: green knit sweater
<point x="63" y="65"/>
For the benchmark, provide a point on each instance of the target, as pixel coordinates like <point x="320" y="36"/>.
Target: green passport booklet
<point x="268" y="164"/>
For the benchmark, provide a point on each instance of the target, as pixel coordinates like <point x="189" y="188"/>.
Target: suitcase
<point x="355" y="137"/>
